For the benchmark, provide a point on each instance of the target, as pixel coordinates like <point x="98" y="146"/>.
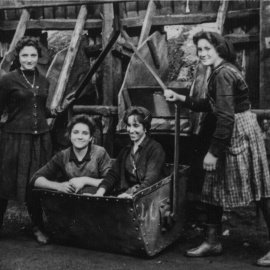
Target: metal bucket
<point x="139" y="226"/>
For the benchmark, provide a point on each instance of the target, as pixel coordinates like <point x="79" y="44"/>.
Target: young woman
<point x="236" y="164"/>
<point x="25" y="143"/>
<point x="84" y="164"/>
<point x="138" y="165"/>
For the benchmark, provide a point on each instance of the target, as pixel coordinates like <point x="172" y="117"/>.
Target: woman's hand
<point x="66" y="187"/>
<point x="209" y="162"/>
<point x="78" y="183"/>
<point x="172" y="96"/>
<point x="125" y="195"/>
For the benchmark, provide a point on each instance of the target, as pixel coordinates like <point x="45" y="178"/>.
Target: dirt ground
<point x="244" y="242"/>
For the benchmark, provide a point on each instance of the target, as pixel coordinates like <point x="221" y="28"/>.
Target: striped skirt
<point x="21" y="155"/>
<point x="242" y="173"/>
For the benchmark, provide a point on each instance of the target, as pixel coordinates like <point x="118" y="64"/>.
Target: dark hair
<point x="223" y="47"/>
<point x="143" y="116"/>
<point x="84" y="119"/>
<point x="27" y="41"/>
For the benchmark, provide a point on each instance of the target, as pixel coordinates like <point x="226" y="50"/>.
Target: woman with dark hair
<point x="25" y="143"/>
<point x="236" y="164"/>
<point x="81" y="166"/>
<point x="140" y="164"/>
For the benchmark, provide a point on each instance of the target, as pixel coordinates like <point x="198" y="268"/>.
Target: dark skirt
<point x="21" y="155"/>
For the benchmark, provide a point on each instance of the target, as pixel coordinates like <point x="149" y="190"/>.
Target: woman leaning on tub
<point x="83" y="165"/>
<point x="140" y="164"/>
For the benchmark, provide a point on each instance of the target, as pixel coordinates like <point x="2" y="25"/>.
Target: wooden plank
<point x="9" y="57"/>
<point x="69" y="24"/>
<point x="51" y="24"/>
<point x="190" y="18"/>
<point x="94" y="109"/>
<point x="264" y="55"/>
<point x="21" y="4"/>
<point x="242" y="38"/>
<point x="70" y="57"/>
<point x="147" y="23"/>
<point x="221" y="16"/>
<point x="49" y="13"/>
<point x="107" y="77"/>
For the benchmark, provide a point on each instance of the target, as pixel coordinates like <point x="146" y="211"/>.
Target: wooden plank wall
<point x="265" y="55"/>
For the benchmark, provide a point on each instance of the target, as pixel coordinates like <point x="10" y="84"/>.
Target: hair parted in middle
<point x="27" y="41"/>
<point x="143" y="116"/>
<point x="83" y="119"/>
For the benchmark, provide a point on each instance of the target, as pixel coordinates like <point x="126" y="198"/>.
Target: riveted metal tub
<point x="139" y="226"/>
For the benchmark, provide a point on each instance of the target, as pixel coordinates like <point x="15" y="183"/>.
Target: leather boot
<point x="41" y="237"/>
<point x="264" y="204"/>
<point x="265" y="260"/>
<point x="211" y="246"/>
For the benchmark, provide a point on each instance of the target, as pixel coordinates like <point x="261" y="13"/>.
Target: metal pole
<point x="176" y="161"/>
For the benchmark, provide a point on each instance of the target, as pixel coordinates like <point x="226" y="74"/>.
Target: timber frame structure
<point x="245" y="23"/>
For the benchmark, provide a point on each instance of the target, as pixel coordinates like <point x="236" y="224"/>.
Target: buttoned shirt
<point x="26" y="106"/>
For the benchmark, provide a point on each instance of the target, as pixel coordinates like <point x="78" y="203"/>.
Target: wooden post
<point x="69" y="59"/>
<point x="221" y="16"/>
<point x="264" y="55"/>
<point x="147" y="23"/>
<point x="9" y="56"/>
<point x="107" y="77"/>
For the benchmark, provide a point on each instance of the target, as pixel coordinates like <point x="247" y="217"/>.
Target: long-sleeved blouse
<point x="227" y="95"/>
<point x="26" y="106"/>
<point x="148" y="168"/>
<point x="65" y="165"/>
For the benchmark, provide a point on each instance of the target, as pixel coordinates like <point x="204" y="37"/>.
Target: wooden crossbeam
<point x="221" y="16"/>
<point x="157" y="20"/>
<point x="69" y="60"/>
<point x="9" y="56"/>
<point x="21" y="4"/>
<point x="147" y="23"/>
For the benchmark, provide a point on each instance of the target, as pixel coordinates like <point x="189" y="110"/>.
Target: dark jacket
<point x="149" y="168"/>
<point x="227" y="95"/>
<point x="26" y="106"/>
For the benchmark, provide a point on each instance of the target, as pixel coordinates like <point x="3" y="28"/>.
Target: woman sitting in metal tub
<point x="140" y="164"/>
<point x="82" y="166"/>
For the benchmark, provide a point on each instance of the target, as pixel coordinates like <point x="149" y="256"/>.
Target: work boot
<point x="41" y="237"/>
<point x="264" y="261"/>
<point x="211" y="246"/>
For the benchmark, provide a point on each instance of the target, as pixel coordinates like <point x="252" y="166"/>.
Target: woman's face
<point x="28" y="57"/>
<point x="135" y="129"/>
<point x="80" y="136"/>
<point x="207" y="53"/>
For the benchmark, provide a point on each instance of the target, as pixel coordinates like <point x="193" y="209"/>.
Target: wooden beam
<point x="51" y="24"/>
<point x="264" y="55"/>
<point x="221" y="16"/>
<point x="69" y="60"/>
<point x="20" y="30"/>
<point x="242" y="38"/>
<point x="197" y="18"/>
<point x="147" y="23"/>
<point x="21" y="4"/>
<point x="96" y="110"/>
<point x="69" y="24"/>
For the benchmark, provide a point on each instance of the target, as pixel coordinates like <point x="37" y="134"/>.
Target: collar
<point x="87" y="156"/>
<point x="29" y="72"/>
<point x="216" y="69"/>
<point x="142" y="144"/>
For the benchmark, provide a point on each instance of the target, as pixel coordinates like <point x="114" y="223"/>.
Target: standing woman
<point x="236" y="164"/>
<point x="25" y="143"/>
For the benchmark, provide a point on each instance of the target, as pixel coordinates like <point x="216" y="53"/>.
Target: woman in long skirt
<point x="236" y="164"/>
<point x="25" y="143"/>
